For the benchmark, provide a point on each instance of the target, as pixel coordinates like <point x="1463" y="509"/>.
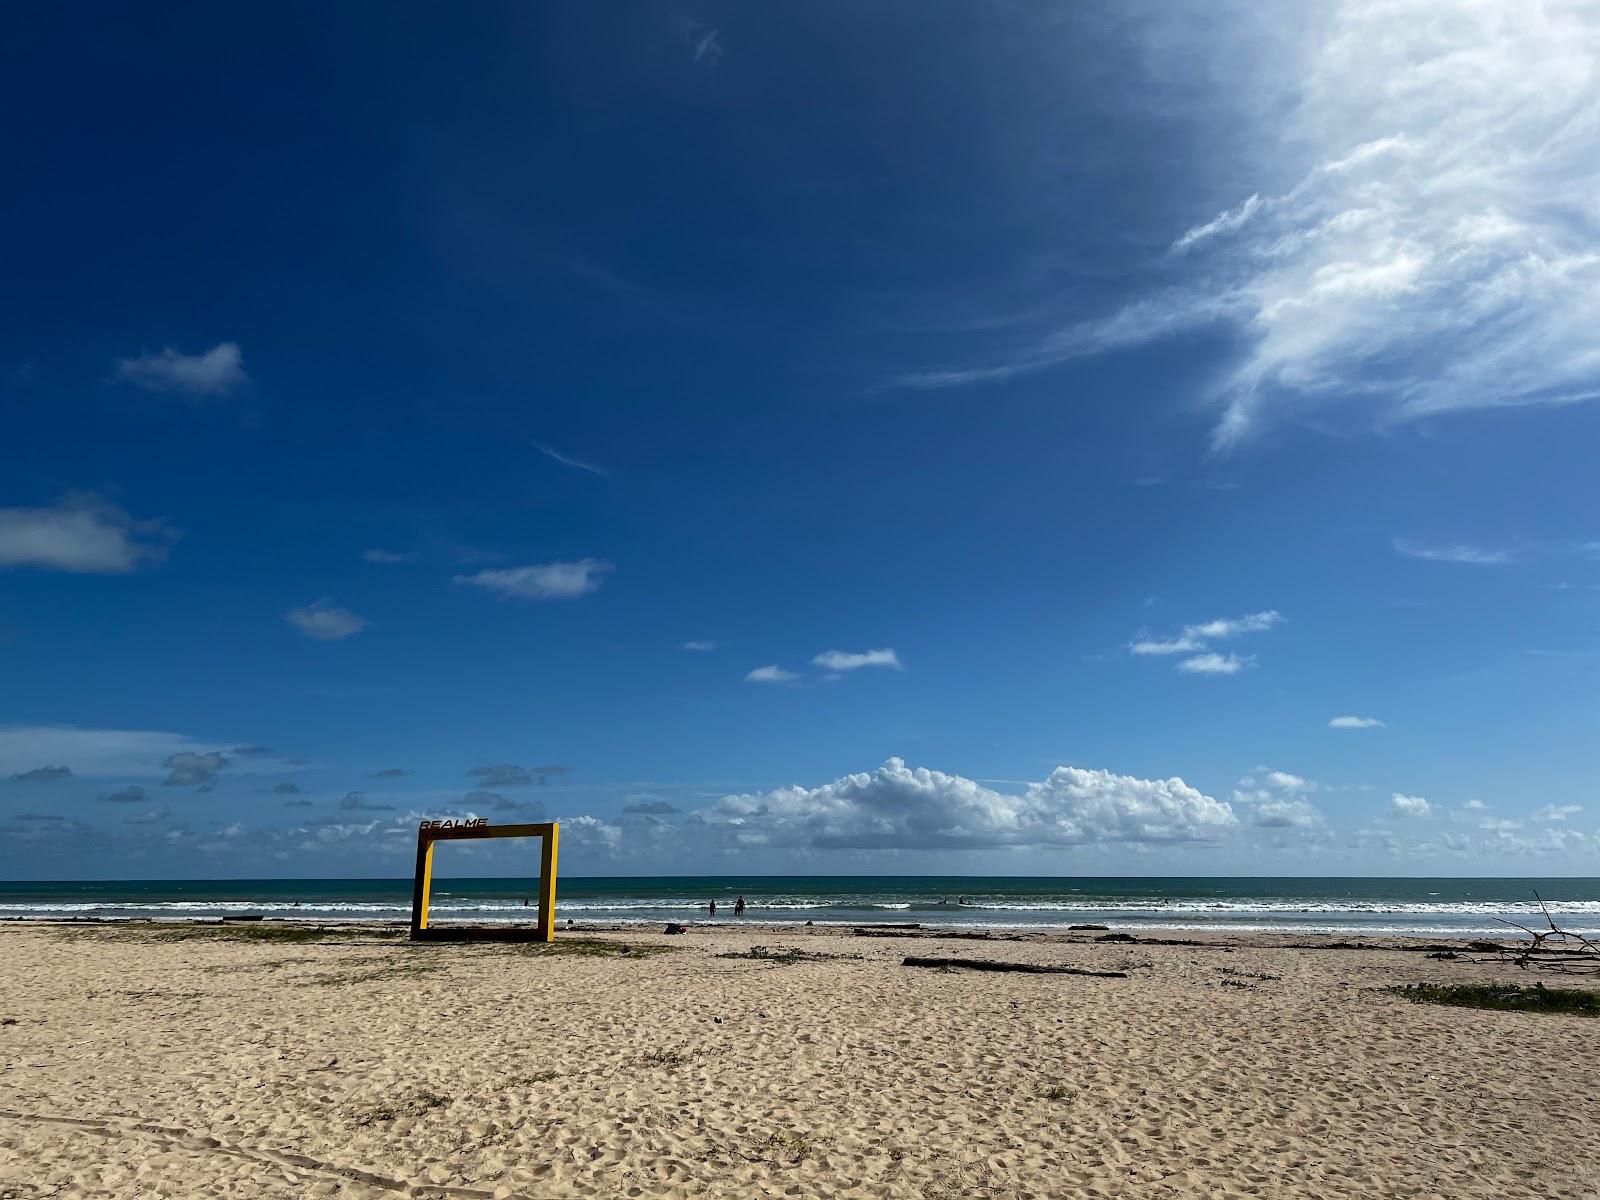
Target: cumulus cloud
<point x="1410" y="806"/>
<point x="1355" y="723"/>
<point x="650" y="808"/>
<point x="1277" y="800"/>
<point x="845" y="660"/>
<point x="1475" y="806"/>
<point x="47" y="774"/>
<point x="188" y="769"/>
<point x="84" y="534"/>
<point x="771" y="674"/>
<point x="1415" y="225"/>
<point x="1216" y="664"/>
<point x="325" y="621"/>
<point x="542" y="581"/>
<point x="1471" y="555"/>
<point x="133" y="794"/>
<point x="1557" y="812"/>
<point x="900" y="807"/>
<point x="216" y="372"/>
<point x="358" y="802"/>
<point x="703" y="647"/>
<point x="94" y="753"/>
<point x="513" y="775"/>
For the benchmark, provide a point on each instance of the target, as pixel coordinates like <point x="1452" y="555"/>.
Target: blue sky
<point x="838" y="439"/>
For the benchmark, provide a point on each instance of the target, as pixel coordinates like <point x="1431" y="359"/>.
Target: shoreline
<point x="1082" y="935"/>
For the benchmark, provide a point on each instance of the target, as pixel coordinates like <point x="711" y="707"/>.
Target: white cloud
<point x="190" y="769"/>
<point x="216" y="372"/>
<point x="1494" y="825"/>
<point x="568" y="461"/>
<point x="1195" y="639"/>
<point x="1355" y="723"/>
<point x="1475" y="806"/>
<point x="82" y="533"/>
<point x="704" y="46"/>
<point x="1410" y="806"/>
<point x="325" y="621"/>
<point x="704" y="647"/>
<point x="1420" y="230"/>
<point x="389" y="557"/>
<point x="542" y="581"/>
<point x="1277" y="801"/>
<point x="1557" y="812"/>
<point x="844" y="660"/>
<point x="1177" y="645"/>
<point x="899" y="807"/>
<point x="1216" y="664"/>
<point x="1471" y="555"/>
<point x="771" y="674"/>
<point x="95" y="753"/>
<point x="1231" y="627"/>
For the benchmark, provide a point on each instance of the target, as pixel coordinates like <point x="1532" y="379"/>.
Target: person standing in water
<point x="738" y="907"/>
<point x="713" y="907"/>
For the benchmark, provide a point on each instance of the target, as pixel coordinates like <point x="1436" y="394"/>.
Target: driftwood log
<point x="994" y="964"/>
<point x="1553" y="949"/>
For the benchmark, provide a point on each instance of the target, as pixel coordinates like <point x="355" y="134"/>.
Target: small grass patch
<point x="536" y="1077"/>
<point x="1057" y="1092"/>
<point x="1504" y="997"/>
<point x="582" y="947"/>
<point x="414" y="1105"/>
<point x="783" y="1147"/>
<point x="399" y="970"/>
<point x="783" y="955"/>
<point x="1238" y="974"/>
<point x="665" y="1057"/>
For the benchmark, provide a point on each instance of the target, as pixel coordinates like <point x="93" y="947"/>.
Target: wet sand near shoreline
<point x="284" y="1061"/>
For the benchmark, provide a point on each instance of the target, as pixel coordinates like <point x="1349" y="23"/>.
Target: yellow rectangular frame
<point x="432" y="832"/>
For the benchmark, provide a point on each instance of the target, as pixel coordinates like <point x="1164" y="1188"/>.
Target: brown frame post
<point x="431" y="832"/>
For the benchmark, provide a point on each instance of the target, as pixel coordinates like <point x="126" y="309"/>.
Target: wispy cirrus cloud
<point x="214" y="372"/>
<point x="542" y="581"/>
<point x="771" y="674"/>
<point x="1355" y="723"/>
<point x="1417" y="234"/>
<point x="702" y="647"/>
<point x="1195" y="641"/>
<point x="82" y="533"/>
<point x="1475" y="556"/>
<point x="567" y="460"/>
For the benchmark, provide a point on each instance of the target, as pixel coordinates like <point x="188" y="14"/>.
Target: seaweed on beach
<point x="581" y="947"/>
<point x="1575" y="1002"/>
<point x="195" y="932"/>
<point x="784" y="955"/>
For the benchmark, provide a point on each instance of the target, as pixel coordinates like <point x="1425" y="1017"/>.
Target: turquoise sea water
<point x="1419" y="906"/>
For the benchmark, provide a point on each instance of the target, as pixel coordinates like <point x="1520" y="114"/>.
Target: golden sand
<point x="133" y="1065"/>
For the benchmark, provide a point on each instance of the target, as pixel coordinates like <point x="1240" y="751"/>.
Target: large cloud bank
<point x="901" y="807"/>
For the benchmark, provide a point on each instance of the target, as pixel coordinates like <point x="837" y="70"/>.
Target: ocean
<point x="1323" y="905"/>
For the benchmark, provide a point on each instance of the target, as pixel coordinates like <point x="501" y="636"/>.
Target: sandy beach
<point x="143" y="1061"/>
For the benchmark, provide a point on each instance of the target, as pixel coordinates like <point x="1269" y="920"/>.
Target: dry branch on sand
<point x="1553" y="949"/>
